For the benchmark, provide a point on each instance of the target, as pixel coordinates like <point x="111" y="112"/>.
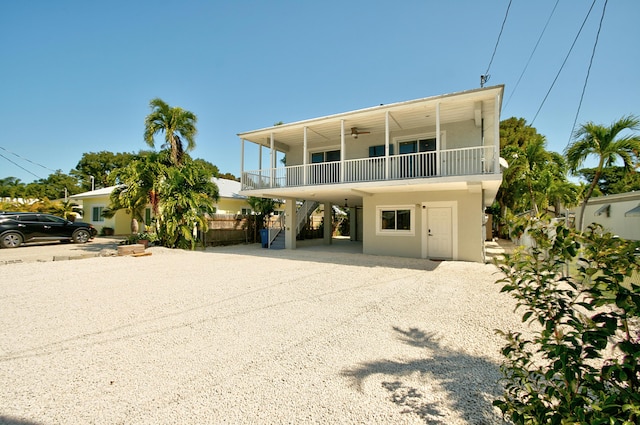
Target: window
<point x="375" y="151"/>
<point x="415" y="146"/>
<point x="395" y="220"/>
<point x="329" y="171"/>
<point x="422" y="165"/>
<point x="329" y="156"/>
<point x="246" y="211"/>
<point x="96" y="214"/>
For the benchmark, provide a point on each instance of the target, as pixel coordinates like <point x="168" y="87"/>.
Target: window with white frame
<point x="398" y="220"/>
<point x="96" y="214"/>
<point x="328" y="156"/>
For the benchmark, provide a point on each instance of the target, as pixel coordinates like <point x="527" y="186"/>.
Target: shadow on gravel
<point x="8" y="420"/>
<point x="332" y="254"/>
<point x="470" y="383"/>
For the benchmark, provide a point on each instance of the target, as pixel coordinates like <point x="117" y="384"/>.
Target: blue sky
<point x="77" y="76"/>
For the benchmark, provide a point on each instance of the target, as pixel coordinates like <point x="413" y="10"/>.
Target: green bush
<point x="580" y="362"/>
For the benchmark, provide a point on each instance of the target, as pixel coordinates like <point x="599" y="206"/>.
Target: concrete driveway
<point x="56" y="251"/>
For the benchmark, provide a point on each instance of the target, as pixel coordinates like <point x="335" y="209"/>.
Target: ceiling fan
<point x="355" y="132"/>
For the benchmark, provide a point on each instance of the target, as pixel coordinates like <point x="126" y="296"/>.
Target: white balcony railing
<point x="452" y="162"/>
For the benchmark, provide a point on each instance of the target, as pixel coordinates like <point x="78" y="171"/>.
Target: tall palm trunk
<point x="592" y="187"/>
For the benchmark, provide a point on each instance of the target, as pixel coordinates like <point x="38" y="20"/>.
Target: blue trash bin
<point x="264" y="237"/>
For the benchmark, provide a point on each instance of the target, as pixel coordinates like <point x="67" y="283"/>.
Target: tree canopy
<point x="177" y="124"/>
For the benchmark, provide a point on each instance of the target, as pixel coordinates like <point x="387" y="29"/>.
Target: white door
<point x="439" y="233"/>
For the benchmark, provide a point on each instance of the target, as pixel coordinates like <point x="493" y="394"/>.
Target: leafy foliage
<point x="102" y="166"/>
<point x="613" y="180"/>
<point x="179" y="196"/>
<point x="177" y="124"/>
<point x="608" y="144"/>
<point x="582" y="362"/>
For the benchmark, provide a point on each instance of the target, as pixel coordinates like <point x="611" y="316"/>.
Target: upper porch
<point x="434" y="143"/>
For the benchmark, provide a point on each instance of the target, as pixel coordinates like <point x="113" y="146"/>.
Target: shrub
<point x="581" y="362"/>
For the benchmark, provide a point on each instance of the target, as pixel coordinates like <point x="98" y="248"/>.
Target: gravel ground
<point x="245" y="335"/>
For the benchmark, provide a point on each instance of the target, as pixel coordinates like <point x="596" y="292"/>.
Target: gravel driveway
<point x="50" y="251"/>
<point x="245" y="335"/>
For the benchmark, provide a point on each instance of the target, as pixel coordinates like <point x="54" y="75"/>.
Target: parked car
<point x="17" y="228"/>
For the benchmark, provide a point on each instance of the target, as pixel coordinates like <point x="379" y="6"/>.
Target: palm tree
<point x="177" y="124"/>
<point x="135" y="191"/>
<point x="526" y="164"/>
<point x="607" y="145"/>
<point x="187" y="195"/>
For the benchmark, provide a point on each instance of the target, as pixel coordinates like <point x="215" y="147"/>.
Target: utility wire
<point x="584" y="87"/>
<point x="532" y="53"/>
<point x="19" y="166"/>
<point x="564" y="62"/>
<point x="24" y="159"/>
<point x="484" y="78"/>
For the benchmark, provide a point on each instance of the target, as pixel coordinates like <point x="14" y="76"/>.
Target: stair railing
<point x="306" y="209"/>
<point x="274" y="231"/>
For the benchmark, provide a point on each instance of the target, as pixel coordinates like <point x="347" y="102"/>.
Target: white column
<point x="386" y="146"/>
<point x="438" y="147"/>
<point x="260" y="164"/>
<point x="341" y="151"/>
<point x="273" y="151"/>
<point x="305" y="156"/>
<point x="241" y="163"/>
<point x="273" y="161"/>
<point x="290" y="223"/>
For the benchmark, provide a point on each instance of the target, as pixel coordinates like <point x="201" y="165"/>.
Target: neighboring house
<point x="95" y="201"/>
<point x="618" y="214"/>
<point x="416" y="176"/>
<point x="230" y="201"/>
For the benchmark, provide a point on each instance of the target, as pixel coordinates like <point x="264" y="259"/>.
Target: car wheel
<point x="81" y="236"/>
<point x="11" y="240"/>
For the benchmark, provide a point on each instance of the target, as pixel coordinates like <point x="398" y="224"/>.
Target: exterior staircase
<point x="277" y="234"/>
<point x="304" y="212"/>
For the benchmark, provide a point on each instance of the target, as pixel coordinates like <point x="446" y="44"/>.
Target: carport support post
<point x="290" y="227"/>
<point x="328" y="223"/>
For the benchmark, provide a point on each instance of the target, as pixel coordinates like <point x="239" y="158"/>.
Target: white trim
<point x="387" y="232"/>
<point x="454" y="225"/>
<point x="440" y="142"/>
<point x="101" y="219"/>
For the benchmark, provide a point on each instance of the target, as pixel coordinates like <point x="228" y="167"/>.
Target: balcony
<point x="445" y="163"/>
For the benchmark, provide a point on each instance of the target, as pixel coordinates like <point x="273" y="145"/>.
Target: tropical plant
<point x="607" y="144"/>
<point x="137" y="180"/>
<point x="580" y="361"/>
<point x="534" y="179"/>
<point x="613" y="179"/>
<point x="186" y="196"/>
<point x="177" y="124"/>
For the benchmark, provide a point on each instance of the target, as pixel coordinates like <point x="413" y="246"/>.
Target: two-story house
<point x="416" y="176"/>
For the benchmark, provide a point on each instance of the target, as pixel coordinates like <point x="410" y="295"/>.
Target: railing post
<point x="341" y="151"/>
<point x="305" y="155"/>
<point x="387" y="165"/>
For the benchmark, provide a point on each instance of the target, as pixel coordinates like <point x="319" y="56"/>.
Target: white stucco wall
<point x="470" y="214"/>
<point x="615" y="221"/>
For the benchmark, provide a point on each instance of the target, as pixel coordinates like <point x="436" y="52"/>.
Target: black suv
<point x="19" y="227"/>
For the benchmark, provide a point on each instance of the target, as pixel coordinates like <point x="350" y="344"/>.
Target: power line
<point x="584" y="87"/>
<point x="564" y="62"/>
<point x="532" y="53"/>
<point x="24" y="159"/>
<point x="19" y="166"/>
<point x="484" y="78"/>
